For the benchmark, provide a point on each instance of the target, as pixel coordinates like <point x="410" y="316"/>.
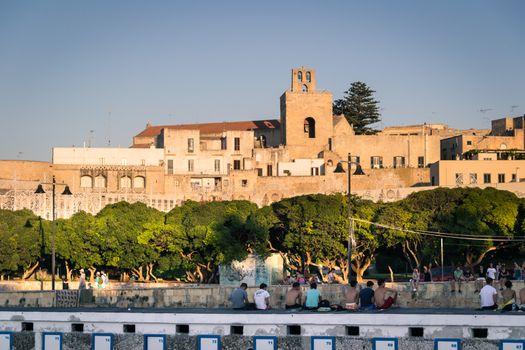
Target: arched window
<point x="309" y="127"/>
<point x="139" y="182"/>
<point x="300" y="76"/>
<point x="308" y="77"/>
<point x="100" y="181"/>
<point x="305" y="88"/>
<point x="125" y="182"/>
<point x="86" y="181"/>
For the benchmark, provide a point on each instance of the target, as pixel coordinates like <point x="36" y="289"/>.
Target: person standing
<point x="491" y="272"/>
<point x="427" y="274"/>
<point x="517" y="271"/>
<point x="458" y="277"/>
<point x="313" y="298"/>
<point x="239" y="297"/>
<point x="82" y="280"/>
<point x="105" y="280"/>
<point x="261" y="297"/>
<point x="488" y="296"/>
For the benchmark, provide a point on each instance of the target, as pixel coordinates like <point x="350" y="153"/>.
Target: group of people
<point x="510" y="300"/>
<point x="355" y="298"/>
<point x="101" y="281"/>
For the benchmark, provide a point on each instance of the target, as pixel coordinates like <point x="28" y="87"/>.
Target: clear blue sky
<point x="68" y="67"/>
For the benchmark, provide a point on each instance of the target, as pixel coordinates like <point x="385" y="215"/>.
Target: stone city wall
<point x="429" y="295"/>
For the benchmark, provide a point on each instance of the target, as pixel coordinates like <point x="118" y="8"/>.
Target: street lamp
<point x="358" y="171"/>
<point x="67" y="192"/>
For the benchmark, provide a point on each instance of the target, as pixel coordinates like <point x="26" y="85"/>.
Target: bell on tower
<point x="303" y="80"/>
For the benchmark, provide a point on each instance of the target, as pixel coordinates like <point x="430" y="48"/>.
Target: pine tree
<point x="359" y="107"/>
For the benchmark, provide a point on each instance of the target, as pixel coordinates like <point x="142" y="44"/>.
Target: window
<point x="125" y="182"/>
<point x="244" y="183"/>
<point x="308" y="77"/>
<point x="399" y="162"/>
<point x="514" y="178"/>
<point x="376" y="162"/>
<point x="299" y="76"/>
<point x="190" y="165"/>
<point x="224" y="144"/>
<point x="237" y="164"/>
<point x="459" y="179"/>
<point x="191" y="145"/>
<point x="100" y="181"/>
<point x="305" y="88"/>
<point x="259" y="172"/>
<point x="86" y="181"/>
<point x="309" y="127"/>
<point x="330" y="144"/>
<point x="473" y="178"/>
<point x="469" y="143"/>
<point x="139" y="182"/>
<point x="269" y="170"/>
<point x="314" y="171"/>
<point x="237" y="143"/>
<point x="501" y="178"/>
<point x="420" y="162"/>
<point x="217" y="165"/>
<point x="486" y="178"/>
<point x="170" y="166"/>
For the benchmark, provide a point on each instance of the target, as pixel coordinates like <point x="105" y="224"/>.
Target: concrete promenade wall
<point x="80" y="341"/>
<point x="212" y="296"/>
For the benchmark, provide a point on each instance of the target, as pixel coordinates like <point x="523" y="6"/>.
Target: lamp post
<point x="358" y="171"/>
<point x="67" y="192"/>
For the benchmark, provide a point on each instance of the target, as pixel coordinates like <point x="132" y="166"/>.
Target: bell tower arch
<point x="306" y="115"/>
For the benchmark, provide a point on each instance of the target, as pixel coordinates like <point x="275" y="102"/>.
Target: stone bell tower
<point x="306" y="116"/>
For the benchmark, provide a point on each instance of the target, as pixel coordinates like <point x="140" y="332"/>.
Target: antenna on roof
<point x="109" y="129"/>
<point x="483" y="111"/>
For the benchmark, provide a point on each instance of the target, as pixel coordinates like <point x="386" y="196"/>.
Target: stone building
<point x="262" y="161"/>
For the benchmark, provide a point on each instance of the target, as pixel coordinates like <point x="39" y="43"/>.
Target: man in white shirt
<point x="491" y="272"/>
<point x="262" y="298"/>
<point x="489" y="296"/>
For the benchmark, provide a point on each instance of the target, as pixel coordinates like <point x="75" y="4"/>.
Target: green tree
<point x="359" y="107"/>
<point x="19" y="244"/>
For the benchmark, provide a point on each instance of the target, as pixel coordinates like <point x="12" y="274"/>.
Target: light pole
<point x="358" y="171"/>
<point x="67" y="192"/>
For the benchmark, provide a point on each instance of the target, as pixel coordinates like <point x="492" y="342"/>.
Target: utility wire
<point x="442" y="234"/>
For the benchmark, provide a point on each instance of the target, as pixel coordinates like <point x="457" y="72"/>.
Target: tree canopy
<point x="359" y="107"/>
<point x="310" y="232"/>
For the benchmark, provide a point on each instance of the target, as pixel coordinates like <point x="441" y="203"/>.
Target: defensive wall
<point x="134" y="295"/>
<point x="187" y="317"/>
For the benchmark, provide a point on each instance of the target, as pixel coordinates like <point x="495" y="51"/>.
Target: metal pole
<point x="53" y="239"/>
<point x="442" y="273"/>
<point x="350" y="220"/>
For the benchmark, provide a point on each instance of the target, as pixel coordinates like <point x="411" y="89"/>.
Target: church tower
<point x="306" y="116"/>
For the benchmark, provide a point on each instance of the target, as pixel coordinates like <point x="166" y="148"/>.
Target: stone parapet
<point x="429" y="295"/>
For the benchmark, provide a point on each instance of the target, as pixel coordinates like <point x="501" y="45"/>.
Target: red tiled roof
<point x="210" y="128"/>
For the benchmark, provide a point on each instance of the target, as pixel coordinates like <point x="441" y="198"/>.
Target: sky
<point x="96" y="72"/>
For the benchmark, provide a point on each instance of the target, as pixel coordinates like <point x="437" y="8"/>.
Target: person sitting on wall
<point x="509" y="297"/>
<point x="239" y="297"/>
<point x="352" y="296"/>
<point x="261" y="297"/>
<point x="489" y="296"/>
<point x="367" y="296"/>
<point x="384" y="297"/>
<point x="294" y="296"/>
<point x="313" y="297"/>
<point x="521" y="302"/>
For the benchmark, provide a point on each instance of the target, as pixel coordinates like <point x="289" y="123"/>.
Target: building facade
<point x="261" y="161"/>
